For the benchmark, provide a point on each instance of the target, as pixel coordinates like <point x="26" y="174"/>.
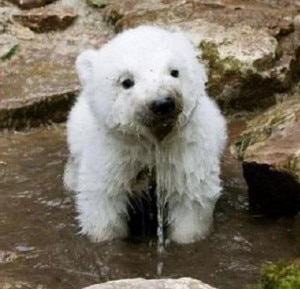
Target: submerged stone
<point x="270" y="151"/>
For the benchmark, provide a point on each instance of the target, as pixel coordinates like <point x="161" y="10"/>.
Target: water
<point x="161" y="190"/>
<point x="38" y="229"/>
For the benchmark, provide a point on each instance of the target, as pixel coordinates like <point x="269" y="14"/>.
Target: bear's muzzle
<point x="160" y="114"/>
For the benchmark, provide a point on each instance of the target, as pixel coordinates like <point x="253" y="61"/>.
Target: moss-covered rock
<point x="241" y="63"/>
<point x="270" y="151"/>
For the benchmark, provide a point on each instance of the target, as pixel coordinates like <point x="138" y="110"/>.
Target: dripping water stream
<point x="162" y="174"/>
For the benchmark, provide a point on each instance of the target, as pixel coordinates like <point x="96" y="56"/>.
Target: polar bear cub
<point x="142" y="93"/>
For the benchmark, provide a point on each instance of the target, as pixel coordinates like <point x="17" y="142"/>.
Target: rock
<point x="37" y="89"/>
<point x="8" y="46"/>
<point x="240" y="60"/>
<point x="270" y="151"/>
<point x="139" y="283"/>
<point x="46" y="19"/>
<point x="39" y="84"/>
<point x="27" y="4"/>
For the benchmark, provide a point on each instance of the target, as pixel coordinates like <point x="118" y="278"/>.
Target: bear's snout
<point x="162" y="106"/>
<point x="161" y="113"/>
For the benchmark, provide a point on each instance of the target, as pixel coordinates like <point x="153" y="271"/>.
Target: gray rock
<point x="139" y="283"/>
<point x="35" y="90"/>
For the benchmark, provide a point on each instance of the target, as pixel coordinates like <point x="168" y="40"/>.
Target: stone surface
<point x="38" y="83"/>
<point x="46" y="19"/>
<point x="270" y="151"/>
<point x="139" y="283"/>
<point x="27" y="4"/>
<point x="36" y="90"/>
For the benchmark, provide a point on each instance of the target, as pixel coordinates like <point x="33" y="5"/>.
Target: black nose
<point x="162" y="106"/>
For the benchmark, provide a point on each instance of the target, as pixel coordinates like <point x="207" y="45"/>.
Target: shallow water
<point x="37" y="222"/>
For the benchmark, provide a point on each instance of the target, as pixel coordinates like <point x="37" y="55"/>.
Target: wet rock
<point x="46" y="19"/>
<point x="27" y="4"/>
<point x="8" y="46"/>
<point x="186" y="283"/>
<point x="270" y="151"/>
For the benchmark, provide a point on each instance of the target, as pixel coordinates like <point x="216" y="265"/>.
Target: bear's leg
<point x="101" y="202"/>
<point x="101" y="217"/>
<point x="189" y="220"/>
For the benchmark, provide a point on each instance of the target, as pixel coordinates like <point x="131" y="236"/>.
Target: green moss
<point x="280" y="276"/>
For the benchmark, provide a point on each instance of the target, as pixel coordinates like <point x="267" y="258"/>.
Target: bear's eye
<point x="127" y="83"/>
<point x="174" y="73"/>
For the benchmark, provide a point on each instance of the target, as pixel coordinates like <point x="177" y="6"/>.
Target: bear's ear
<point x="85" y="65"/>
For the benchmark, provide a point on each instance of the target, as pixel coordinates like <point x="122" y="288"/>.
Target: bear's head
<point x="145" y="82"/>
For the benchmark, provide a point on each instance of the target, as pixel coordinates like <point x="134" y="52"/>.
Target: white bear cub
<point x="143" y="108"/>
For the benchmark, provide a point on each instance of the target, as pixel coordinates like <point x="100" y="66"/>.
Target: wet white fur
<point x="108" y="146"/>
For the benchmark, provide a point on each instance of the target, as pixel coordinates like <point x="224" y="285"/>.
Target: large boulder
<point x="270" y="151"/>
<point x="140" y="283"/>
